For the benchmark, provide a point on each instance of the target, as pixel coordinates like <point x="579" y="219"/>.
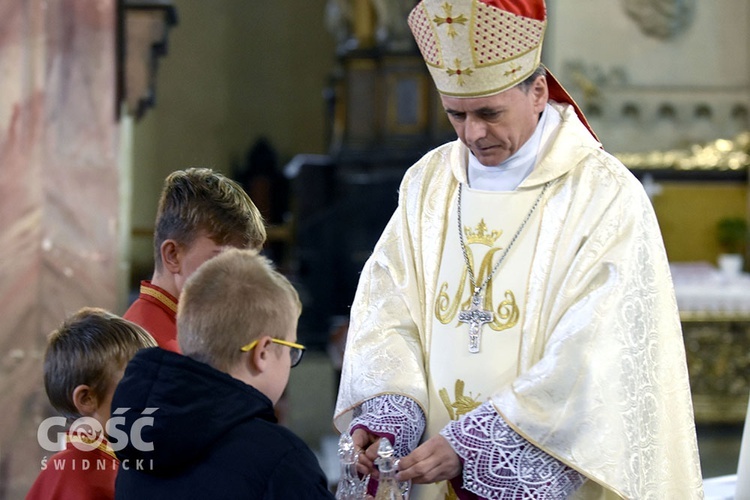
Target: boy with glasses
<point x="214" y="432"/>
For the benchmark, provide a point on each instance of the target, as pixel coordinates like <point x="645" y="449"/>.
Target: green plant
<point x="732" y="234"/>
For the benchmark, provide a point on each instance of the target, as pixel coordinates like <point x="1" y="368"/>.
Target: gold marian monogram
<point x="446" y="307"/>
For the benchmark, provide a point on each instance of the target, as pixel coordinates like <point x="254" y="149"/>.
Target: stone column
<point x="58" y="199"/>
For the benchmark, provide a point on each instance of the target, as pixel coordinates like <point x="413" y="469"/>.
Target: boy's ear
<point x="170" y="256"/>
<point x="260" y="356"/>
<point x="85" y="400"/>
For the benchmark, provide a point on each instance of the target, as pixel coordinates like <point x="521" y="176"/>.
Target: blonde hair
<point x="88" y="349"/>
<point x="200" y="201"/>
<point x="230" y="301"/>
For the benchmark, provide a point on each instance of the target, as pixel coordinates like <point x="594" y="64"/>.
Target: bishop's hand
<point x="368" y="443"/>
<point x="432" y="461"/>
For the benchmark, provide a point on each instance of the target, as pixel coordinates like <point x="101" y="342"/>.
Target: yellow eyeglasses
<point x="295" y="350"/>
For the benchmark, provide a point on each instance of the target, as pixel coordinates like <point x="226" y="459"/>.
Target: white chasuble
<point x="459" y="380"/>
<point x="598" y="378"/>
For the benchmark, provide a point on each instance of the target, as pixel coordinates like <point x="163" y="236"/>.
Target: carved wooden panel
<point x="718" y="356"/>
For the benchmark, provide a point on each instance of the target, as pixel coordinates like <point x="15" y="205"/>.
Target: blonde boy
<point x="215" y="433"/>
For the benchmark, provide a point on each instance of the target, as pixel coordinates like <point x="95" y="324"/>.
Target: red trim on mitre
<point x="534" y="9"/>
<point x="558" y="93"/>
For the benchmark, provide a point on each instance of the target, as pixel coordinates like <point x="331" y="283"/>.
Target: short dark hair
<point x="200" y="201"/>
<point x="526" y="84"/>
<point x="88" y="348"/>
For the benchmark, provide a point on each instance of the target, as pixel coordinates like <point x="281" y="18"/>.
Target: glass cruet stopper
<point x="350" y="486"/>
<point x="388" y="487"/>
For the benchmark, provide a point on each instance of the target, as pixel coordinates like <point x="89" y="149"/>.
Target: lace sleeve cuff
<point x="398" y="417"/>
<point x="499" y="463"/>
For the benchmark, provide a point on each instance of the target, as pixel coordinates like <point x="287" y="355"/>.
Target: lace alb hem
<point x="499" y="463"/>
<point x="395" y="415"/>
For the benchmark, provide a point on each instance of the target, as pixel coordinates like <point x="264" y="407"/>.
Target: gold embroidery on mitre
<point x="514" y="68"/>
<point x="462" y="405"/>
<point x="497" y="49"/>
<point x="459" y="72"/>
<point x="449" y="19"/>
<point x="481" y="235"/>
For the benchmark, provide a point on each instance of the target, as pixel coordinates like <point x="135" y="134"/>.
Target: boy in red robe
<point x="201" y="213"/>
<point x="83" y="363"/>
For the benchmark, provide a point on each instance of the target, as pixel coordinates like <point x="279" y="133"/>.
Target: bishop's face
<point x="496" y="126"/>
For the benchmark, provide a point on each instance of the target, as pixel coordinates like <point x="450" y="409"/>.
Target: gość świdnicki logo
<point x="87" y="434"/>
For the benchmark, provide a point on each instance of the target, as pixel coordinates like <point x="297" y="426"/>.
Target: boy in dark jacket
<point x="212" y="431"/>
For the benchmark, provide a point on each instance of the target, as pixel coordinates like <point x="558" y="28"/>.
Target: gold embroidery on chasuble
<point x="462" y="405"/>
<point x="447" y="307"/>
<point x="451" y="495"/>
<point x="460" y="380"/>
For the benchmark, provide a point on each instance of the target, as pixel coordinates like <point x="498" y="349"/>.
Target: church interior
<point x="318" y="108"/>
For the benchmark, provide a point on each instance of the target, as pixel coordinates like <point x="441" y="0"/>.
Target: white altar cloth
<point x="702" y="288"/>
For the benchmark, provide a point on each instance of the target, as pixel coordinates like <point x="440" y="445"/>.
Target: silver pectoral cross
<point x="475" y="316"/>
